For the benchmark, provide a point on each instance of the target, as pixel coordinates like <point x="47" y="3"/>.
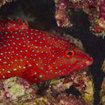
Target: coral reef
<point x="98" y="18"/>
<point x="17" y="91"/>
<point x="70" y="100"/>
<point x="102" y="93"/>
<point x="81" y="81"/>
<point x="103" y="66"/>
<point x="94" y="8"/>
<point x="61" y="14"/>
<point x="63" y="99"/>
<point x="84" y="84"/>
<point x="13" y="88"/>
<point x="2" y="2"/>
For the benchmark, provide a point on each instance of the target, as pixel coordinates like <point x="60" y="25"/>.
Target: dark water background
<point x="40" y="15"/>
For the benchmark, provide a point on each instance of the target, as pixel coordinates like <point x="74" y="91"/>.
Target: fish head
<point x="71" y="59"/>
<point x="78" y="57"/>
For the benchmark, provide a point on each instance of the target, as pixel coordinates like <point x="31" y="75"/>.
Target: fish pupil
<point x="69" y="53"/>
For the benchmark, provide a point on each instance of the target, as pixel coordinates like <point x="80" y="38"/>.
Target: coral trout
<point x="36" y="55"/>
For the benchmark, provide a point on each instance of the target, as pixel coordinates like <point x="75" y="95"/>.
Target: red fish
<point x="36" y="55"/>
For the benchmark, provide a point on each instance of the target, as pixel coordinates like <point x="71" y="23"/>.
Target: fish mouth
<point x="84" y="64"/>
<point x="89" y="62"/>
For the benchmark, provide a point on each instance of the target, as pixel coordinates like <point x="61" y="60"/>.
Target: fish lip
<point x="85" y="63"/>
<point x="89" y="62"/>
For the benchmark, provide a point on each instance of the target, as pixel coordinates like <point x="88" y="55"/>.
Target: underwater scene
<point x="52" y="52"/>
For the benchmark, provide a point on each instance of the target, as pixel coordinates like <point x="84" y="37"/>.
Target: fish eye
<point x="70" y="53"/>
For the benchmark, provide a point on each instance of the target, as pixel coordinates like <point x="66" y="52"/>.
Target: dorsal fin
<point x="8" y="25"/>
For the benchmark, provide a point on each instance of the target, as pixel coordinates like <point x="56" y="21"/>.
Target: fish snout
<point x="89" y="61"/>
<point x="85" y="60"/>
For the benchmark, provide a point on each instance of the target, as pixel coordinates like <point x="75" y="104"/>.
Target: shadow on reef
<point x="73" y="90"/>
<point x="42" y="14"/>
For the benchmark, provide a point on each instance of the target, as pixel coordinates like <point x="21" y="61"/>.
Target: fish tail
<point x="8" y="25"/>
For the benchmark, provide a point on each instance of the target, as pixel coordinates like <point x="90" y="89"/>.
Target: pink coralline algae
<point x="18" y="91"/>
<point x="64" y="99"/>
<point x="99" y="26"/>
<point x="61" y="14"/>
<point x="81" y="81"/>
<point x="13" y="88"/>
<point x="94" y="8"/>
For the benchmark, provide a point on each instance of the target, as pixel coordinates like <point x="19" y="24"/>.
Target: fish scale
<point x="36" y="55"/>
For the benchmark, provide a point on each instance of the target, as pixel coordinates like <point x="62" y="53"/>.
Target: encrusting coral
<point x="2" y="2"/>
<point x="18" y="91"/>
<point x="102" y="93"/>
<point x="103" y="66"/>
<point x="94" y="8"/>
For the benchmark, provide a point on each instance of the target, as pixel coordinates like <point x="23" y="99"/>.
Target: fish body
<point x="37" y="55"/>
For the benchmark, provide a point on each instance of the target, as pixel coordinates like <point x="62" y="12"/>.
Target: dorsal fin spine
<point x="10" y="24"/>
